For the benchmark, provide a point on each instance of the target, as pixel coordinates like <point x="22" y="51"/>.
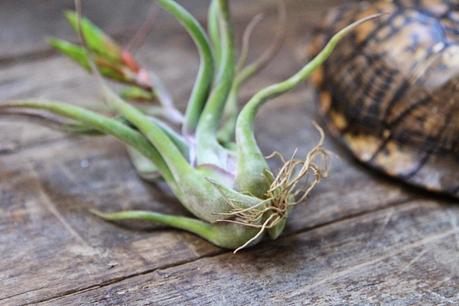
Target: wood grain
<point x="399" y="255"/>
<point x="356" y="239"/>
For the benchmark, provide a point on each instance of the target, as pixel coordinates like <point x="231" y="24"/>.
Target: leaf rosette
<point x="211" y="162"/>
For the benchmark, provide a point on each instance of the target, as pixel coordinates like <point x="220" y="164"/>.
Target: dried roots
<point x="292" y="185"/>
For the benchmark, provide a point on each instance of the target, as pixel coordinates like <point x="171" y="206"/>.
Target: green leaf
<point x="74" y="52"/>
<point x="251" y="162"/>
<point x="103" y="124"/>
<point x="79" y="55"/>
<point x="203" y="83"/>
<point x="97" y="41"/>
<point x="208" y="150"/>
<point x="230" y="236"/>
<point x="145" y="167"/>
<point x="137" y="94"/>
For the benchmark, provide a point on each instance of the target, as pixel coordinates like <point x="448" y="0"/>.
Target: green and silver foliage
<point x="214" y="165"/>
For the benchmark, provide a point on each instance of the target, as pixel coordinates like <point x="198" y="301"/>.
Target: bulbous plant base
<point x="242" y="227"/>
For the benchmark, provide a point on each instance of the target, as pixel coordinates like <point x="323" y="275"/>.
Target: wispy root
<point x="298" y="178"/>
<point x="291" y="186"/>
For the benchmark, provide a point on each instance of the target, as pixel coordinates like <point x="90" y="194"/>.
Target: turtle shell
<point x="390" y="91"/>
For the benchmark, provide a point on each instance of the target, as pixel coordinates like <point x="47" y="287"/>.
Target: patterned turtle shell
<point x="390" y="92"/>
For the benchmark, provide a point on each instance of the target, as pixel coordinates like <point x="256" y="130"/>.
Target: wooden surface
<point x="359" y="239"/>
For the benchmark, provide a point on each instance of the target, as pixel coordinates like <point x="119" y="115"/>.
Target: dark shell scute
<point x="392" y="90"/>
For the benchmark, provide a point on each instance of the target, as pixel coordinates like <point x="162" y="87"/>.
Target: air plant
<point x="213" y="165"/>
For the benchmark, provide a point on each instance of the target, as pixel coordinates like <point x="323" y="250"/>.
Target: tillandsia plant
<point x="213" y="165"/>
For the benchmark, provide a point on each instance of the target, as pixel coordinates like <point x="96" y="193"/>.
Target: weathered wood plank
<point x="45" y="190"/>
<point x="47" y="233"/>
<point x="403" y="255"/>
<point x="82" y="175"/>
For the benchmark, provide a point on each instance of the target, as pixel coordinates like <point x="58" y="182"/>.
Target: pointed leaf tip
<point x="97" y="41"/>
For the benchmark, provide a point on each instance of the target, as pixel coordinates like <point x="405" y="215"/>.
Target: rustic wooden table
<point x="359" y="239"/>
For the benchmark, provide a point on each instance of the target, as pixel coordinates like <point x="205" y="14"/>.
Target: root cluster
<point x="291" y="186"/>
